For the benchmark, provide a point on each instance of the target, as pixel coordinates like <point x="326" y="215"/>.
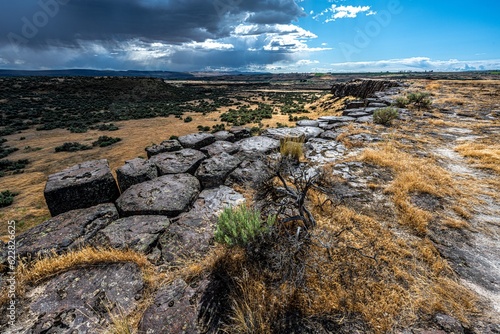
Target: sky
<point x="251" y="35"/>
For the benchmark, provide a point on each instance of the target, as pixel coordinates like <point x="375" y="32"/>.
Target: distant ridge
<point x="96" y="73"/>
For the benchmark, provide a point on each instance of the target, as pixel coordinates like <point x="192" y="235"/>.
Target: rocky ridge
<point x="167" y="210"/>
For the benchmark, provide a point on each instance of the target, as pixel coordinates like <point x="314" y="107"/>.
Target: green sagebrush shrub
<point x="385" y="116"/>
<point x="104" y="141"/>
<point x="420" y="99"/>
<point x="239" y="226"/>
<point x="72" y="147"/>
<point x="6" y="198"/>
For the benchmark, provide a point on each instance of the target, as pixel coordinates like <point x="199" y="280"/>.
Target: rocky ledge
<point x="167" y="210"/>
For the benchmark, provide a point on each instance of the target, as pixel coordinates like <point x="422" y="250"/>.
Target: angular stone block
<point x="81" y="186"/>
<point x="135" y="171"/>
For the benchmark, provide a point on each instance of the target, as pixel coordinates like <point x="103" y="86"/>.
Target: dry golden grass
<point x="369" y="271"/>
<point x="433" y="86"/>
<point x="33" y="273"/>
<point x="412" y="175"/>
<point x="351" y="130"/>
<point x="44" y="268"/>
<point x="482" y="155"/>
<point x="292" y="147"/>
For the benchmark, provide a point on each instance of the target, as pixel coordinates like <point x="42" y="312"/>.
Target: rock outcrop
<point x="362" y="88"/>
<point x="81" y="186"/>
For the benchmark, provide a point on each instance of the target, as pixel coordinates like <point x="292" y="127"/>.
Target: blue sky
<point x="251" y="35"/>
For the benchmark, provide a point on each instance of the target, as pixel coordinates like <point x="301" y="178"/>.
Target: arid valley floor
<point x="413" y="232"/>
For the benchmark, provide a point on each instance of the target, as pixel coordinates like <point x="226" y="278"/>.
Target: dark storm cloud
<point x="148" y="34"/>
<point x="46" y="22"/>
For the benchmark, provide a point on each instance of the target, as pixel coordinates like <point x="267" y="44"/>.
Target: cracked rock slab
<point x="79" y="300"/>
<point x="139" y="233"/>
<point x="183" y="161"/>
<point x="214" y="171"/>
<point x="168" y="195"/>
<point x="66" y="231"/>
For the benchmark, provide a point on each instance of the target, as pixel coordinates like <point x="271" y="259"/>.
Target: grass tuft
<point x="292" y="147"/>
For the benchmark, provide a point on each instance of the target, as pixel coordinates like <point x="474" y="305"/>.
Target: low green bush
<point x="6" y="198"/>
<point x="401" y="102"/>
<point x="72" y="147"/>
<point x="104" y="141"/>
<point x="385" y="116"/>
<point x="107" y="127"/>
<point x="16" y="166"/>
<point x="420" y="100"/>
<point x="240" y="226"/>
<point x="188" y="119"/>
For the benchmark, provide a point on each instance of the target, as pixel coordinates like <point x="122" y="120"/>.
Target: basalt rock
<point x="173" y="309"/>
<point x="81" y="186"/>
<point x="67" y="231"/>
<point x="183" y="161"/>
<point x="80" y="300"/>
<point x="225" y="136"/>
<point x="139" y="233"/>
<point x="135" y="171"/>
<point x="220" y="147"/>
<point x="306" y="132"/>
<point x="214" y="171"/>
<point x="258" y="145"/>
<point x="196" y="140"/>
<point x="165" y="146"/>
<point x="361" y="88"/>
<point x="167" y="195"/>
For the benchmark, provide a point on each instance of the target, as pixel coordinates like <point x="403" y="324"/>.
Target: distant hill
<point x="96" y="73"/>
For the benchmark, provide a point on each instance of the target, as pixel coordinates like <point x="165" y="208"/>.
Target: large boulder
<point x="81" y="186"/>
<point x="184" y="161"/>
<point x="139" y="233"/>
<point x="168" y="195"/>
<point x="196" y="140"/>
<point x="165" y="146"/>
<point x="214" y="171"/>
<point x="172" y="310"/>
<point x="135" y="171"/>
<point x="70" y="230"/>
<point x="220" y="147"/>
<point x="258" y="145"/>
<point x="81" y="300"/>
